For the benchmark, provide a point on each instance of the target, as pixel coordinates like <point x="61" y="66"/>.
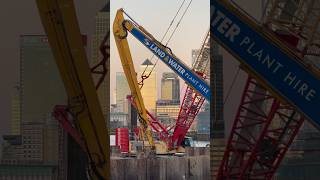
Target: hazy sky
<point x="155" y="17"/>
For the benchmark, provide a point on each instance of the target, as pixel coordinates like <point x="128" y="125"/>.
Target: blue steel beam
<point x="165" y="55"/>
<point x="269" y="59"/>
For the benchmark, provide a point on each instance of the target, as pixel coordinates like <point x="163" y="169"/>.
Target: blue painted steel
<point x="281" y="72"/>
<point x="176" y="65"/>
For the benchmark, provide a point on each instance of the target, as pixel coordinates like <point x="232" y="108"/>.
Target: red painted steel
<point x="245" y="134"/>
<point x="273" y="144"/>
<point x="64" y="118"/>
<point x="260" y="154"/>
<point x="156" y="126"/>
<point x="61" y="113"/>
<point x="122" y="139"/>
<point x="101" y="67"/>
<point x="189" y="109"/>
<point x="192" y="103"/>
<point x="190" y="106"/>
<point x="261" y="135"/>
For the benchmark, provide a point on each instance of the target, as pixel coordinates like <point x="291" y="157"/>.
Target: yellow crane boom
<point x="60" y="23"/>
<point x="120" y="34"/>
<point x="121" y="28"/>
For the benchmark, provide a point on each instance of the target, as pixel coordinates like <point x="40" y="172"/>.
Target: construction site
<point x="160" y="148"/>
<point x="269" y="132"/>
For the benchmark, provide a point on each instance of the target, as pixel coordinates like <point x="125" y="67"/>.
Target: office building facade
<point x="170" y="86"/>
<point x="15" y="111"/>
<point x="41" y="90"/>
<point x="167" y="111"/>
<point x="101" y="30"/>
<point x="122" y="90"/>
<point x="149" y="89"/>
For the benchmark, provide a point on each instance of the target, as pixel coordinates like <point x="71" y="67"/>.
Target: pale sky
<point x="155" y="17"/>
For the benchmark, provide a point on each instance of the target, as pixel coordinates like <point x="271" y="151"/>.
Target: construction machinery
<point x="281" y="91"/>
<point x="282" y="86"/>
<point x="197" y="91"/>
<point x="82" y="117"/>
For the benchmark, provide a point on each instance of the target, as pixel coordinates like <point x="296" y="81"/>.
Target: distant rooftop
<point x="169" y="75"/>
<point x="147" y="62"/>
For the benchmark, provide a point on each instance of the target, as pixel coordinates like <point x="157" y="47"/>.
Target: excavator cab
<point x="187" y="142"/>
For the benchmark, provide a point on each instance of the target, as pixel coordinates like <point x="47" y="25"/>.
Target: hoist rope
<point x="179" y="22"/>
<point x="143" y="76"/>
<point x="231" y="86"/>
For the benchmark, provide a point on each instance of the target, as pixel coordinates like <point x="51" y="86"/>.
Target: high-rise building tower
<point x="170" y="86"/>
<point x="217" y="123"/>
<point x="101" y="29"/>
<point x="41" y="85"/>
<point x="149" y="89"/>
<point x="41" y="90"/>
<point x="217" y="83"/>
<point x="122" y="90"/>
<point x="167" y="111"/>
<point x="15" y="112"/>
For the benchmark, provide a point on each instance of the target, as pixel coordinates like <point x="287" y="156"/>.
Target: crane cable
<point x="229" y="91"/>
<point x="184" y="13"/>
<point x="231" y="86"/>
<point x="143" y="76"/>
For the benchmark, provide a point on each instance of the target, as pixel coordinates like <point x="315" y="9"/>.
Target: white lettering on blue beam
<point x="281" y="72"/>
<point x="189" y="76"/>
<point x="157" y="51"/>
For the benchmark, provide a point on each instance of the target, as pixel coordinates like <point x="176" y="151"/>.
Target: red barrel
<point x="122" y="139"/>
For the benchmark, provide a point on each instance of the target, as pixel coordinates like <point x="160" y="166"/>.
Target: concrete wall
<point x="161" y="168"/>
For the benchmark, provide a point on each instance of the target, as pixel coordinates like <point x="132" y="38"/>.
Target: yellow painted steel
<point x="60" y="23"/>
<point x="120" y="36"/>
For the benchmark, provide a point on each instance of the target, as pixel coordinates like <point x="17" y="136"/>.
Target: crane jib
<point x="274" y="65"/>
<point x="185" y="73"/>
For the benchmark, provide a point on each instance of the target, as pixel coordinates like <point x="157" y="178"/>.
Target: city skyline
<point x="36" y="136"/>
<point x="122" y="90"/>
<point x="170" y="86"/>
<point x="149" y="88"/>
<point x="180" y="45"/>
<point x="41" y="140"/>
<point x="101" y="29"/>
<point x="253" y="125"/>
<point x="9" y="48"/>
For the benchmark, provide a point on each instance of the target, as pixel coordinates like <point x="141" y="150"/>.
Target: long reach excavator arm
<point x="121" y="28"/>
<point x="61" y="26"/>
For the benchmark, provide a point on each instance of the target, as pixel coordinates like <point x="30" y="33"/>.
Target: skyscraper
<point x="167" y="111"/>
<point x="101" y="29"/>
<point x="122" y="90"/>
<point x="149" y="89"/>
<point x="170" y="86"/>
<point x="217" y="126"/>
<point x="41" y="85"/>
<point x="15" y="112"/>
<point x="203" y="120"/>
<point x="41" y="90"/>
